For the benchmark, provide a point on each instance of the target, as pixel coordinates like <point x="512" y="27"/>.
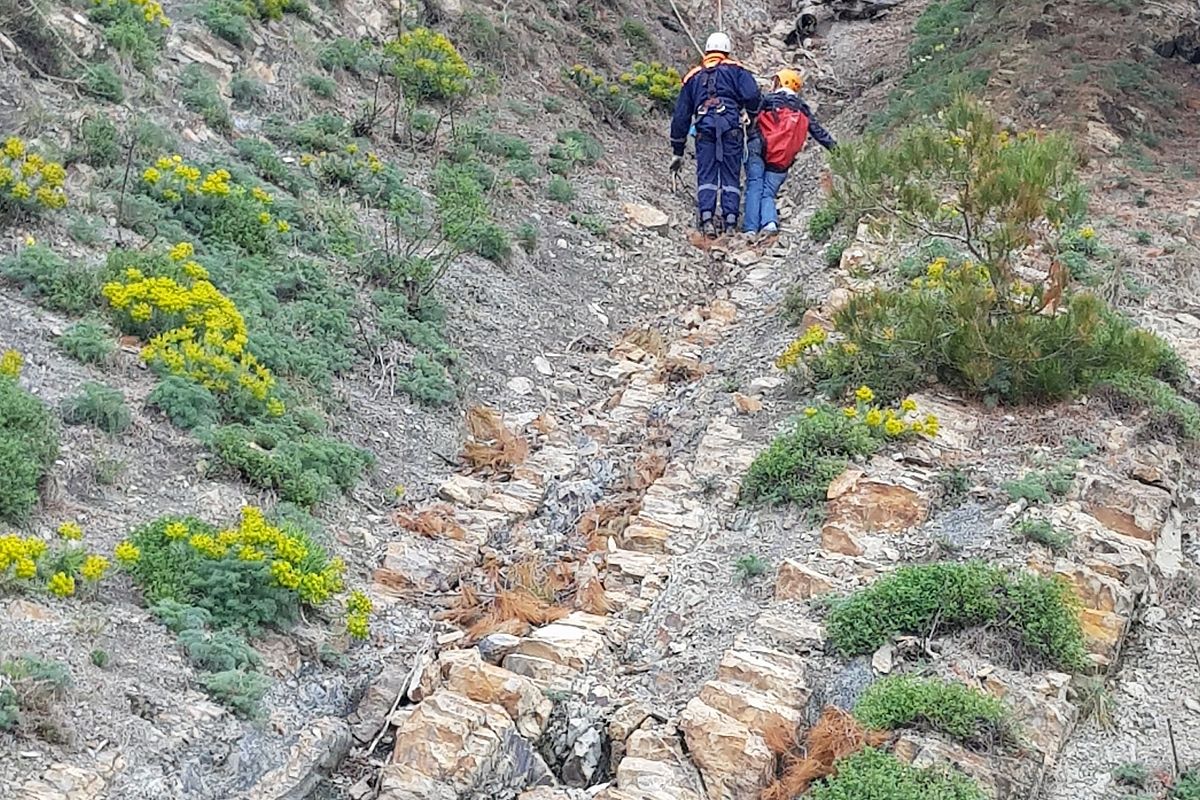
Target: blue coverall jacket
<point x="715" y="93"/>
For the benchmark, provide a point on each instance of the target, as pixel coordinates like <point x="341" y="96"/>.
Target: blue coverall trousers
<point x="719" y="175"/>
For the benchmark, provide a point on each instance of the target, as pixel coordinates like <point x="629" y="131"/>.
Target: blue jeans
<point x="762" y="187"/>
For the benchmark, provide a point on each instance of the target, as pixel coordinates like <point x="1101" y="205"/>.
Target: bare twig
<point x="412" y="674"/>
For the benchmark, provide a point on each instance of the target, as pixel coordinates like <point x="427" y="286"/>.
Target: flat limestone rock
<point x="734" y="761"/>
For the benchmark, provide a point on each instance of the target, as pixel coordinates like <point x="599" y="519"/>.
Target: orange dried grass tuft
<point x="492" y="446"/>
<point x="835" y="736"/>
<point x="435" y="521"/>
<point x="592" y="598"/>
<point x="524" y="605"/>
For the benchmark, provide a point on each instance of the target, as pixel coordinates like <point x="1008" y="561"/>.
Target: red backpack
<point x="784" y="131"/>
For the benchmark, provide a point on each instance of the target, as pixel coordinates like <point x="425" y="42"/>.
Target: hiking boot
<point x="709" y="228"/>
<point x="770" y="229"/>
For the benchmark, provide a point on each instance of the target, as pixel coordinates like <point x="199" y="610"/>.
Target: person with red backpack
<point x="778" y="134"/>
<point x="715" y="94"/>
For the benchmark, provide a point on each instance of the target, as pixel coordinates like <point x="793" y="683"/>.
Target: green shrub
<point x="304" y="468"/>
<point x="574" y="148"/>
<point x="954" y="326"/>
<point x="268" y="164"/>
<point x="178" y="617"/>
<point x="591" y="223"/>
<point x="553" y="105"/>
<point x="321" y="133"/>
<point x="1131" y="774"/>
<point x="560" y="190"/>
<point x="218" y="651"/>
<point x="750" y="566"/>
<point x="246" y="91"/>
<point x="834" y="251"/>
<point x="658" y="83"/>
<point x="636" y="36"/>
<point x="823" y="221"/>
<point x="68" y="286"/>
<point x="876" y="775"/>
<point x="1188" y="785"/>
<point x="202" y="95"/>
<point x="426" y="382"/>
<point x="482" y="39"/>
<point x="527" y="237"/>
<point x="901" y="701"/>
<point x="1041" y="487"/>
<point x="320" y="85"/>
<point x="100" y="81"/>
<point x="99" y="658"/>
<point x="28" y="447"/>
<point x="136" y="31"/>
<point x="99" y="143"/>
<point x="98" y="405"/>
<point x="187" y="404"/>
<point x="1041" y="611"/>
<point x="345" y="54"/>
<point x="227" y="20"/>
<point x="607" y="99"/>
<point x="465" y="218"/>
<point x="1043" y="532"/>
<point x="30" y="691"/>
<point x="816" y="447"/>
<point x="240" y="691"/>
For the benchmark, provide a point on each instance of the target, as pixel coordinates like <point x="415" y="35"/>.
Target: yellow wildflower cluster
<point x="20" y="555"/>
<point x="292" y="566"/>
<point x="347" y="166"/>
<point x="61" y="584"/>
<point x="656" y="81"/>
<point x="203" y="334"/>
<point x="10" y="364"/>
<point x="427" y="66"/>
<point x="939" y="274"/>
<point x="812" y="337"/>
<point x="893" y="423"/>
<point x="358" y="611"/>
<point x="70" y="531"/>
<point x="149" y="10"/>
<point x="1087" y="233"/>
<point x="29" y="180"/>
<point x="94" y="568"/>
<point x="173" y="180"/>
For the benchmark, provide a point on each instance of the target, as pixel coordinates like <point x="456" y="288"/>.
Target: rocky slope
<point x="573" y="621"/>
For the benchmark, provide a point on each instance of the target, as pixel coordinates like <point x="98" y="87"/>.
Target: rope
<point x="683" y="24"/>
<point x="720" y="21"/>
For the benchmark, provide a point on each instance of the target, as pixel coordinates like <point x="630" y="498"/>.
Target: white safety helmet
<point x="718" y="43"/>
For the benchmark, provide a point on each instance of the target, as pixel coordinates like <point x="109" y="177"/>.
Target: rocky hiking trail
<point x="672" y="674"/>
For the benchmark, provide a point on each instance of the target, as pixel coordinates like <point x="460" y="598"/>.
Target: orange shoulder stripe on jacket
<point x="710" y="61"/>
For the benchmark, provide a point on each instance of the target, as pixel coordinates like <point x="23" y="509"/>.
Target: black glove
<point x="677" y="164"/>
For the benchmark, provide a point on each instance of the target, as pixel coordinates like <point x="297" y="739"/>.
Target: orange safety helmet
<point x="790" y="79"/>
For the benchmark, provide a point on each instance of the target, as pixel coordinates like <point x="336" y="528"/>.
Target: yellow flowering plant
<point x="191" y="328"/>
<point x="252" y="574"/>
<point x="817" y="446"/>
<point x="211" y="203"/>
<point x="30" y="563"/>
<point x="29" y="182"/>
<point x="11" y="363"/>
<point x="660" y="83"/>
<point x="608" y="97"/>
<point x="427" y="66"/>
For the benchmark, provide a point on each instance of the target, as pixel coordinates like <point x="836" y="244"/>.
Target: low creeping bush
<point x="303" y="467"/>
<point x="659" y="83"/>
<point x="68" y="286"/>
<point x="31" y="564"/>
<point x="102" y="81"/>
<point x="1042" y="487"/>
<point x="901" y="701"/>
<point x="874" y="774"/>
<point x="214" y="206"/>
<point x="606" y="99"/>
<point x="134" y="28"/>
<point x="241" y="691"/>
<point x="202" y="95"/>
<point x="801" y="463"/>
<point x="1043" y="532"/>
<point x="1042" y="612"/>
<point x="28" y="442"/>
<point x="88" y="342"/>
<point x="97" y="405"/>
<point x="31" y="691"/>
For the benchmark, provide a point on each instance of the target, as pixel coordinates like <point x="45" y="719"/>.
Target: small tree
<point x="964" y="178"/>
